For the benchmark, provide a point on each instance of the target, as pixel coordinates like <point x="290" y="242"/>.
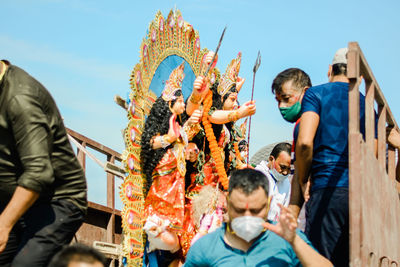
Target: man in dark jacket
<point x="42" y="185"/>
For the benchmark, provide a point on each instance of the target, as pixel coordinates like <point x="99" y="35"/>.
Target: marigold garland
<point x="237" y="152"/>
<point x="215" y="151"/>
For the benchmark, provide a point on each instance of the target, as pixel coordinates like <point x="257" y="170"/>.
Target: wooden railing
<point x="103" y="223"/>
<point x="373" y="189"/>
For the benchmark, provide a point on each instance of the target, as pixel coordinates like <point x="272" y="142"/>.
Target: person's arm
<point x="20" y="202"/>
<point x="296" y="196"/>
<point x="162" y="141"/>
<point x="394" y="140"/>
<point x="225" y="116"/>
<point x="305" y="143"/>
<point x="286" y="228"/>
<point x="307" y="255"/>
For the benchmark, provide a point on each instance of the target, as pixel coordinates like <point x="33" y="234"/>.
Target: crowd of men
<point x="320" y="181"/>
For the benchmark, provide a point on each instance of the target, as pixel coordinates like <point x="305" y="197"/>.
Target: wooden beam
<point x="94" y="145"/>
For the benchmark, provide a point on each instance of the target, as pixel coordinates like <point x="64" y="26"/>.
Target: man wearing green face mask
<point x="289" y="87"/>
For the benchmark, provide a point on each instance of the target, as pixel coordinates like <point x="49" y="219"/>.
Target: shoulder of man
<point x="300" y="233"/>
<point x="202" y="250"/>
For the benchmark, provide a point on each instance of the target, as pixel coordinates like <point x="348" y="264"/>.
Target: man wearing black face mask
<point x="247" y="240"/>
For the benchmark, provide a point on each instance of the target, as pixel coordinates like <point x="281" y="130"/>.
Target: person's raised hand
<point x="286" y="227"/>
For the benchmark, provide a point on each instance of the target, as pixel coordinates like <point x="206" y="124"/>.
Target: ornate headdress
<point x="174" y="83"/>
<point x="215" y="75"/>
<point x="230" y="76"/>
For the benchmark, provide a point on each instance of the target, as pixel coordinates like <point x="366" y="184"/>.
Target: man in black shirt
<point x="42" y="185"/>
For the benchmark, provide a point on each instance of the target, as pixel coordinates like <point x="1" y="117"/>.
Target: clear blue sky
<point x="84" y="51"/>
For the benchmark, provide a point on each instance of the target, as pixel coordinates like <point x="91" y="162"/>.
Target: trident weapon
<point x="255" y="68"/>
<point x="216" y="51"/>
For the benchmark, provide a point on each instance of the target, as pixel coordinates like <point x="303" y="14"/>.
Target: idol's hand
<point x="247" y="109"/>
<point x="201" y="86"/>
<point x="209" y="57"/>
<point x="173" y="132"/>
<point x="196" y="117"/>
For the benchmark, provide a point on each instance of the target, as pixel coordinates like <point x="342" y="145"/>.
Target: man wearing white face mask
<point x="277" y="171"/>
<point x="247" y="240"/>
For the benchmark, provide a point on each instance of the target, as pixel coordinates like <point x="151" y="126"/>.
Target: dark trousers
<point x="41" y="233"/>
<point x="327" y="223"/>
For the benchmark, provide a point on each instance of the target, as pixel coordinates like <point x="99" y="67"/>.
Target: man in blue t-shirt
<point x="247" y="240"/>
<point x="322" y="153"/>
<point x="289" y="87"/>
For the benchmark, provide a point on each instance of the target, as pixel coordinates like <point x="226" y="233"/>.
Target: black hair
<point x="156" y="123"/>
<point x="339" y="69"/>
<point x="77" y="253"/>
<point x="248" y="180"/>
<point x="218" y="103"/>
<point x="299" y="78"/>
<point x="242" y="145"/>
<point x="226" y="95"/>
<point x="279" y="148"/>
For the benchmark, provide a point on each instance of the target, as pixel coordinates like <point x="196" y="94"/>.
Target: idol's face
<point x="231" y="102"/>
<point x="179" y="106"/>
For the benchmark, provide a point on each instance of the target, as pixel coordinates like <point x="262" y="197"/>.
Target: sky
<point x="83" y="52"/>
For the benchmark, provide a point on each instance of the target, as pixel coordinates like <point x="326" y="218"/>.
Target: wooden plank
<point x="111" y="186"/>
<point x="353" y="61"/>
<point x="355" y="170"/>
<point x="392" y="163"/>
<point x="354" y="107"/>
<point x="355" y="176"/>
<point x="370" y="115"/>
<point x="382" y="136"/>
<point x="103" y="208"/>
<point x="94" y="145"/>
<point x="111" y="229"/>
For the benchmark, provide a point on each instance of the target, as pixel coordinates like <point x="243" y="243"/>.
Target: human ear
<point x="329" y="72"/>
<point x="271" y="158"/>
